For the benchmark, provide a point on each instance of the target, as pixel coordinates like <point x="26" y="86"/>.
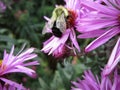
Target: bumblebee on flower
<point x="62" y="25"/>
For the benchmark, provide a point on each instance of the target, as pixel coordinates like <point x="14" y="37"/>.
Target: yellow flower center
<point x="3" y="67"/>
<point x="0" y="63"/>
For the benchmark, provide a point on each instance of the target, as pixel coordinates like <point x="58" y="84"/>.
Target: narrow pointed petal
<point x="102" y="39"/>
<point x="73" y="38"/>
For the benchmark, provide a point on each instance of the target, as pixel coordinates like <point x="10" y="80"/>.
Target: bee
<point x="57" y="22"/>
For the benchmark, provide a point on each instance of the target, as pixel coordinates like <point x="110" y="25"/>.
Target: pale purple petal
<point x="91" y="34"/>
<point x="28" y="51"/>
<point x="31" y="63"/>
<point x="100" y="8"/>
<point x="25" y="70"/>
<point x="74" y="40"/>
<point x="72" y="4"/>
<point x="102" y="39"/>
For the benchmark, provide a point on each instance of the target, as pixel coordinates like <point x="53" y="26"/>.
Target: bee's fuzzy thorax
<point x="59" y="10"/>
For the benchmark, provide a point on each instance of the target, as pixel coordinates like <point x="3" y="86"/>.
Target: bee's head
<point x="58" y="11"/>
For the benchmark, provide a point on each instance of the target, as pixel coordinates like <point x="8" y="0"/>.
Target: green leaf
<point x="7" y="39"/>
<point x="43" y="85"/>
<point x="57" y="83"/>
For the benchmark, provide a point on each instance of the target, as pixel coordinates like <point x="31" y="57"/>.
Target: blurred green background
<point x="22" y="22"/>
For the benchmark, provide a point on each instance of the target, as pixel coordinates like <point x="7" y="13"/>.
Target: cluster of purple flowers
<point x="110" y="78"/>
<point x="98" y="19"/>
<point x="91" y="82"/>
<point x="16" y="64"/>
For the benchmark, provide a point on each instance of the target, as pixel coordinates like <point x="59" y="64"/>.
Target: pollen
<point x="71" y="19"/>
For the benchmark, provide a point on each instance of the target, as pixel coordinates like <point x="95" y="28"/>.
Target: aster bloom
<point x="17" y="64"/>
<point x="113" y="60"/>
<point x="91" y="82"/>
<point x="59" y="41"/>
<point x="102" y="22"/>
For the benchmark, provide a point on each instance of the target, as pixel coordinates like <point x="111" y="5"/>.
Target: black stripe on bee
<point x="56" y="31"/>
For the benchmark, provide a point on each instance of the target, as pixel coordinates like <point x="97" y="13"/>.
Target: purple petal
<point x="73" y="4"/>
<point x="92" y="34"/>
<point x="100" y="8"/>
<point x="95" y="26"/>
<point x="102" y="39"/>
<point x="28" y="51"/>
<point x="9" y="59"/>
<point x="74" y="41"/>
<point x="25" y="70"/>
<point x="31" y="63"/>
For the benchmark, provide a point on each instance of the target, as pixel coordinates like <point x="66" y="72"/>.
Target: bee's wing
<point x="61" y="23"/>
<point x="47" y="27"/>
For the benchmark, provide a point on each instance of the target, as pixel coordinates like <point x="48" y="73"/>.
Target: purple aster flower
<point x="17" y="64"/>
<point x="113" y="60"/>
<point x="62" y="25"/>
<point x="91" y="82"/>
<point x="103" y="22"/>
<point x="2" y="7"/>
